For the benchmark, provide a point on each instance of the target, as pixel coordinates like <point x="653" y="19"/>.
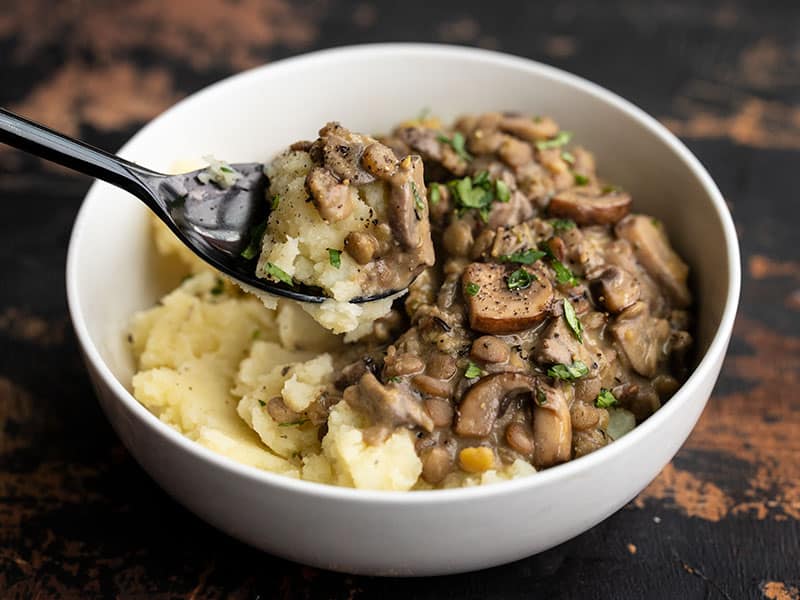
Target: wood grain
<point x="78" y="519"/>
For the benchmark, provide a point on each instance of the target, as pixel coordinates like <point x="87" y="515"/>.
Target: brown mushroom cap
<point x="497" y="309"/>
<point x="585" y="209"/>
<point x="552" y="426"/>
<point x="616" y="289"/>
<point x="653" y="250"/>
<point x="478" y="410"/>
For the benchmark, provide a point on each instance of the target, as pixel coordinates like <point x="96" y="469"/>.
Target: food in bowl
<point x="553" y="321"/>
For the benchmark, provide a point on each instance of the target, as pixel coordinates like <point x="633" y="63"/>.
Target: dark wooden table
<point x="79" y="519"/>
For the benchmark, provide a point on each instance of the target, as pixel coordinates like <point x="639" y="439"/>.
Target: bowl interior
<point x="253" y="116"/>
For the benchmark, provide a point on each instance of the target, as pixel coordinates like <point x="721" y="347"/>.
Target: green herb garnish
<point x="561" y="225"/>
<point x="561" y="139"/>
<point x="568" y="372"/>
<point x="256" y="334"/>
<point x="457" y="143"/>
<point x="611" y="189"/>
<point x="254" y="244"/>
<point x="436" y="194"/>
<point x="262" y="403"/>
<point x="541" y="397"/>
<point x="394" y="379"/>
<point x="475" y="193"/>
<point x="472" y="289"/>
<point x="419" y="204"/>
<point x="568" y="157"/>
<point x="519" y="280"/>
<point x="293" y="423"/>
<point x="218" y="288"/>
<point x="572" y="320"/>
<point x="523" y="257"/>
<point x="472" y="371"/>
<point x="605" y="399"/>
<point x="279" y="274"/>
<point x="581" y="179"/>
<point x="276" y="200"/>
<point x="563" y="274"/>
<point x="502" y="191"/>
<point x="335" y="257"/>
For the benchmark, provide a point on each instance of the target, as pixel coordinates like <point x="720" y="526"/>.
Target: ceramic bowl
<point x="112" y="272"/>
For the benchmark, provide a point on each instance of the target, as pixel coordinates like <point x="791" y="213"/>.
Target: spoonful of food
<point x="222" y="213"/>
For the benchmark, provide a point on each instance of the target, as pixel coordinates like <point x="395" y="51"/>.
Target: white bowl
<point x="251" y="116"/>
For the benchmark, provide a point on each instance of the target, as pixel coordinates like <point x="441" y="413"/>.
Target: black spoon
<point x="216" y="224"/>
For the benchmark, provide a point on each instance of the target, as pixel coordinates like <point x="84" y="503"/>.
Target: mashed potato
<point x="209" y="360"/>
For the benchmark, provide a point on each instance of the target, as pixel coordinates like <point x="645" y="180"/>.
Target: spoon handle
<point x="74" y="154"/>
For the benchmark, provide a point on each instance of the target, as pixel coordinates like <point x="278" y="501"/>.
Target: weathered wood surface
<point x="79" y="519"/>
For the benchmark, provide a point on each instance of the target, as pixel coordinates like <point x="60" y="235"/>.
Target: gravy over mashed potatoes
<point x="552" y="322"/>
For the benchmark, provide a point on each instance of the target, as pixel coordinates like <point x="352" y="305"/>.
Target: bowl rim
<point x="572" y="469"/>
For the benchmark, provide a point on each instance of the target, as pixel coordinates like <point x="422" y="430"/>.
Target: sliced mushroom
<point x="552" y="426"/>
<point x="331" y="198"/>
<point x="520" y="437"/>
<point x="586" y="209"/>
<point x="615" y="288"/>
<point x="340" y="151"/>
<point x="436" y="464"/>
<point x="652" y="249"/>
<point x="494" y="308"/>
<point x="481" y="404"/>
<point x="557" y="344"/>
<point x="490" y="349"/>
<point x="408" y="209"/>
<point x="379" y="160"/>
<point x="642" y="337"/>
<point x="387" y="405"/>
<point x="530" y="129"/>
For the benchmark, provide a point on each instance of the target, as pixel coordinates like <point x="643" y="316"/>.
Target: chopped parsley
<point x="218" y="288"/>
<point x="605" y="399"/>
<point x="256" y="334"/>
<point x="572" y="320"/>
<point x="475" y="193"/>
<point x="561" y="225"/>
<point x="276" y="200"/>
<point x="569" y="372"/>
<point x="256" y="233"/>
<point x="436" y="194"/>
<point x="561" y="139"/>
<point x="419" y="204"/>
<point x="293" y="423"/>
<point x="611" y="189"/>
<point x="563" y="274"/>
<point x="335" y="257"/>
<point x="523" y="257"/>
<point x="581" y="179"/>
<point x="279" y="274"/>
<point x="472" y="371"/>
<point x="502" y="191"/>
<point x="394" y="379"/>
<point x="457" y="143"/>
<point x="568" y="157"/>
<point x="519" y="280"/>
<point x="472" y="289"/>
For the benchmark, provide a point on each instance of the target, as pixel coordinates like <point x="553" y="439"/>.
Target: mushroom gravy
<point x="551" y="310"/>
